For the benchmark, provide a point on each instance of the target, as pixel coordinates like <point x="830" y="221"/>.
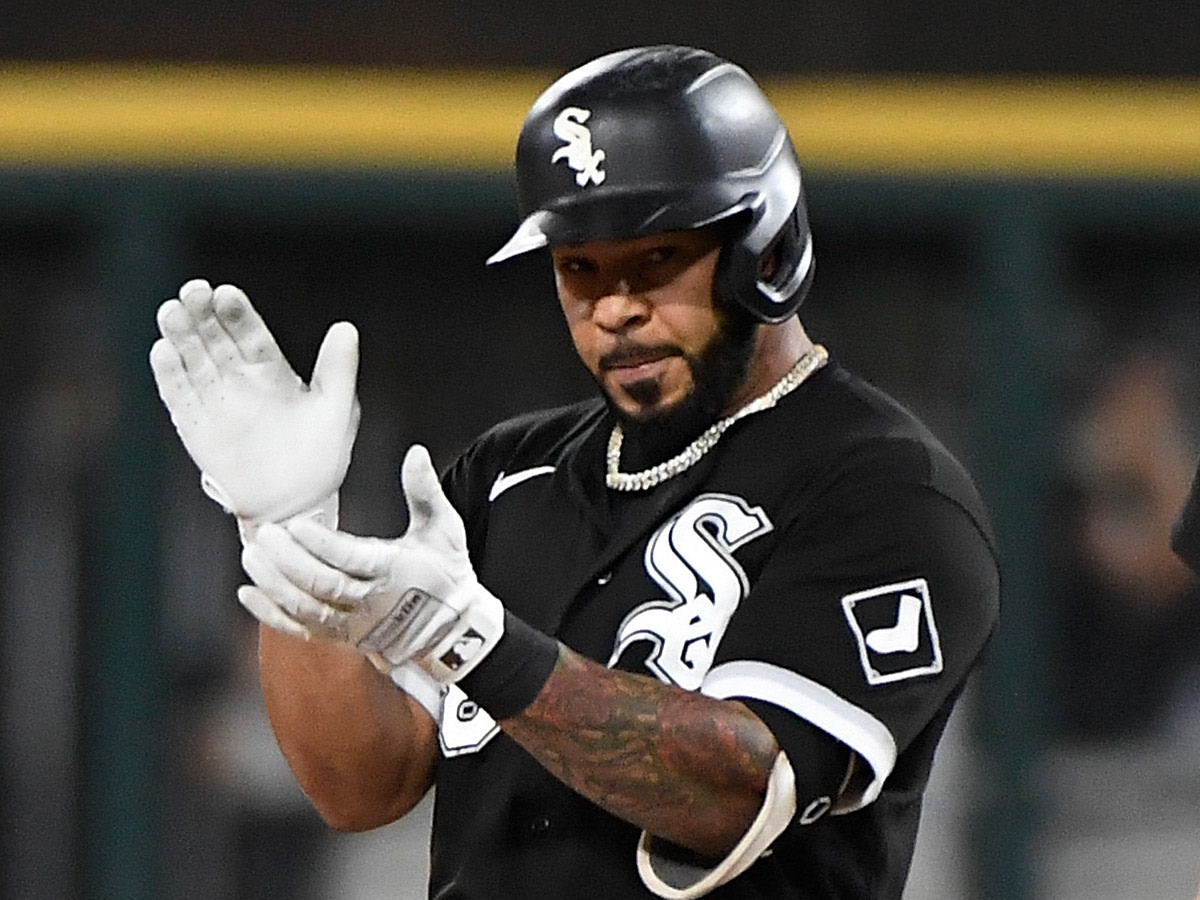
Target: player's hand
<point x="268" y="446"/>
<point x="410" y="598"/>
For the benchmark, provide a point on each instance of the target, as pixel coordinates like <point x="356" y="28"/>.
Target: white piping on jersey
<point x="815" y="703"/>
<point x="504" y="481"/>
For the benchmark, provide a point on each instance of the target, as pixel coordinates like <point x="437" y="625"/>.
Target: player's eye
<point x="663" y="253"/>
<point x="576" y="265"/>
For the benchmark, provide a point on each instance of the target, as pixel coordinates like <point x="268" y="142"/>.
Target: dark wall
<point x="1106" y="37"/>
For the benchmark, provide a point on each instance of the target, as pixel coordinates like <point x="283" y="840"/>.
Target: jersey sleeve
<point x="864" y="622"/>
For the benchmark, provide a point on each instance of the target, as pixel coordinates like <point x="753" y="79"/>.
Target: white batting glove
<point x="410" y="598"/>
<point x="268" y="446"/>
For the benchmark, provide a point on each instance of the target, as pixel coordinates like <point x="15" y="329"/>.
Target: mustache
<point x="631" y="353"/>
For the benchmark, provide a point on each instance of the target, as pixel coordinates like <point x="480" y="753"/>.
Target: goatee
<point x="718" y="371"/>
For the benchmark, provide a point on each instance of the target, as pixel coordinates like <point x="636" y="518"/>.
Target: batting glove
<point x="268" y="446"/>
<point x="414" y="598"/>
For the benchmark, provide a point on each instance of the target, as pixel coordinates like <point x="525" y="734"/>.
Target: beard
<point x="718" y="371"/>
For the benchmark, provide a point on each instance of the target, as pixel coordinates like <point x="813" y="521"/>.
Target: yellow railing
<point x="86" y="115"/>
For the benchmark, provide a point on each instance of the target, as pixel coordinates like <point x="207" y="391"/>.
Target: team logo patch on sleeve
<point x="895" y="631"/>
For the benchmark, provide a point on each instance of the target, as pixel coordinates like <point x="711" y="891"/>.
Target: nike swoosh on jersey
<point x="504" y="481"/>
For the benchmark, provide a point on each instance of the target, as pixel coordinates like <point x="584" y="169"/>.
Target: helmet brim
<point x="613" y="218"/>
<point x="528" y="236"/>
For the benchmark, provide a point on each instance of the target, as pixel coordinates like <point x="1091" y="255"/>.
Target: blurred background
<point x="1006" y="206"/>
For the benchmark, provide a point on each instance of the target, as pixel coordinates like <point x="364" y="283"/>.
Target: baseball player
<point x="696" y="636"/>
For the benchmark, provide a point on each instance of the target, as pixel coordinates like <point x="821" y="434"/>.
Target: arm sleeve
<point x="675" y="874"/>
<point x="680" y="876"/>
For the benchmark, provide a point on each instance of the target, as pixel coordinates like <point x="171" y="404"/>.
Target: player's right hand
<point x="414" y="598"/>
<point x="268" y="446"/>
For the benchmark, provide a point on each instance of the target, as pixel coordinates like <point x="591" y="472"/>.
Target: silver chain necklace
<point x="693" y="452"/>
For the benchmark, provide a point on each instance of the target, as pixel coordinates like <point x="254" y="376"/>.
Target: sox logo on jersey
<point x="691" y="558"/>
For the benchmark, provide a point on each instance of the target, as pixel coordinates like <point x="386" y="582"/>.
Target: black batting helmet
<point x="667" y="138"/>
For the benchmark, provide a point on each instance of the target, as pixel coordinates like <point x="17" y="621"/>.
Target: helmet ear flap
<point x="770" y="296"/>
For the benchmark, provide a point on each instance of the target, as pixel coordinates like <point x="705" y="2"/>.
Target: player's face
<point x="643" y="316"/>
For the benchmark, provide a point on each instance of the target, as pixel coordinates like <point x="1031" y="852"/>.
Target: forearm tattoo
<point x="682" y="766"/>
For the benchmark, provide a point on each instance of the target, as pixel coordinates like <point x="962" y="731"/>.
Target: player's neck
<point x="777" y="349"/>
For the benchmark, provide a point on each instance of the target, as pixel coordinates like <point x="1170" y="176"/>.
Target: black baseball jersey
<point x="828" y="562"/>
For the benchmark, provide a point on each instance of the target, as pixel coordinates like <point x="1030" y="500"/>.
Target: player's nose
<point x="620" y="307"/>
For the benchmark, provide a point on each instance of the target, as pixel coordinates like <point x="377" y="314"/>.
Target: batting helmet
<point x="667" y="138"/>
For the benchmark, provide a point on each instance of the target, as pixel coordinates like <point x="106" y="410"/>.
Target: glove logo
<point x="464" y="650"/>
<point x="895" y="632"/>
<point x="577" y="151"/>
<point x="691" y="558"/>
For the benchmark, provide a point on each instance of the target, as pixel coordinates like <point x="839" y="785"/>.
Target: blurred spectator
<point x="245" y="831"/>
<point x="1123" y="781"/>
<point x="1132" y="617"/>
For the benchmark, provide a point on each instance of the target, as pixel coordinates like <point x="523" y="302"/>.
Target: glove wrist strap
<point x="472" y="638"/>
<point x="514" y="672"/>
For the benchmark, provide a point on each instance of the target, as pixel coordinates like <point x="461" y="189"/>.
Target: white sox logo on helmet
<point x="577" y="151"/>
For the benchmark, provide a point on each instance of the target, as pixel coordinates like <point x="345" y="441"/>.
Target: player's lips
<point x="632" y="357"/>
<point x="629" y="364"/>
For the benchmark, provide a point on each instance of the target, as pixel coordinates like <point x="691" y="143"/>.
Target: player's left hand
<point x="268" y="445"/>
<point x="415" y="598"/>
